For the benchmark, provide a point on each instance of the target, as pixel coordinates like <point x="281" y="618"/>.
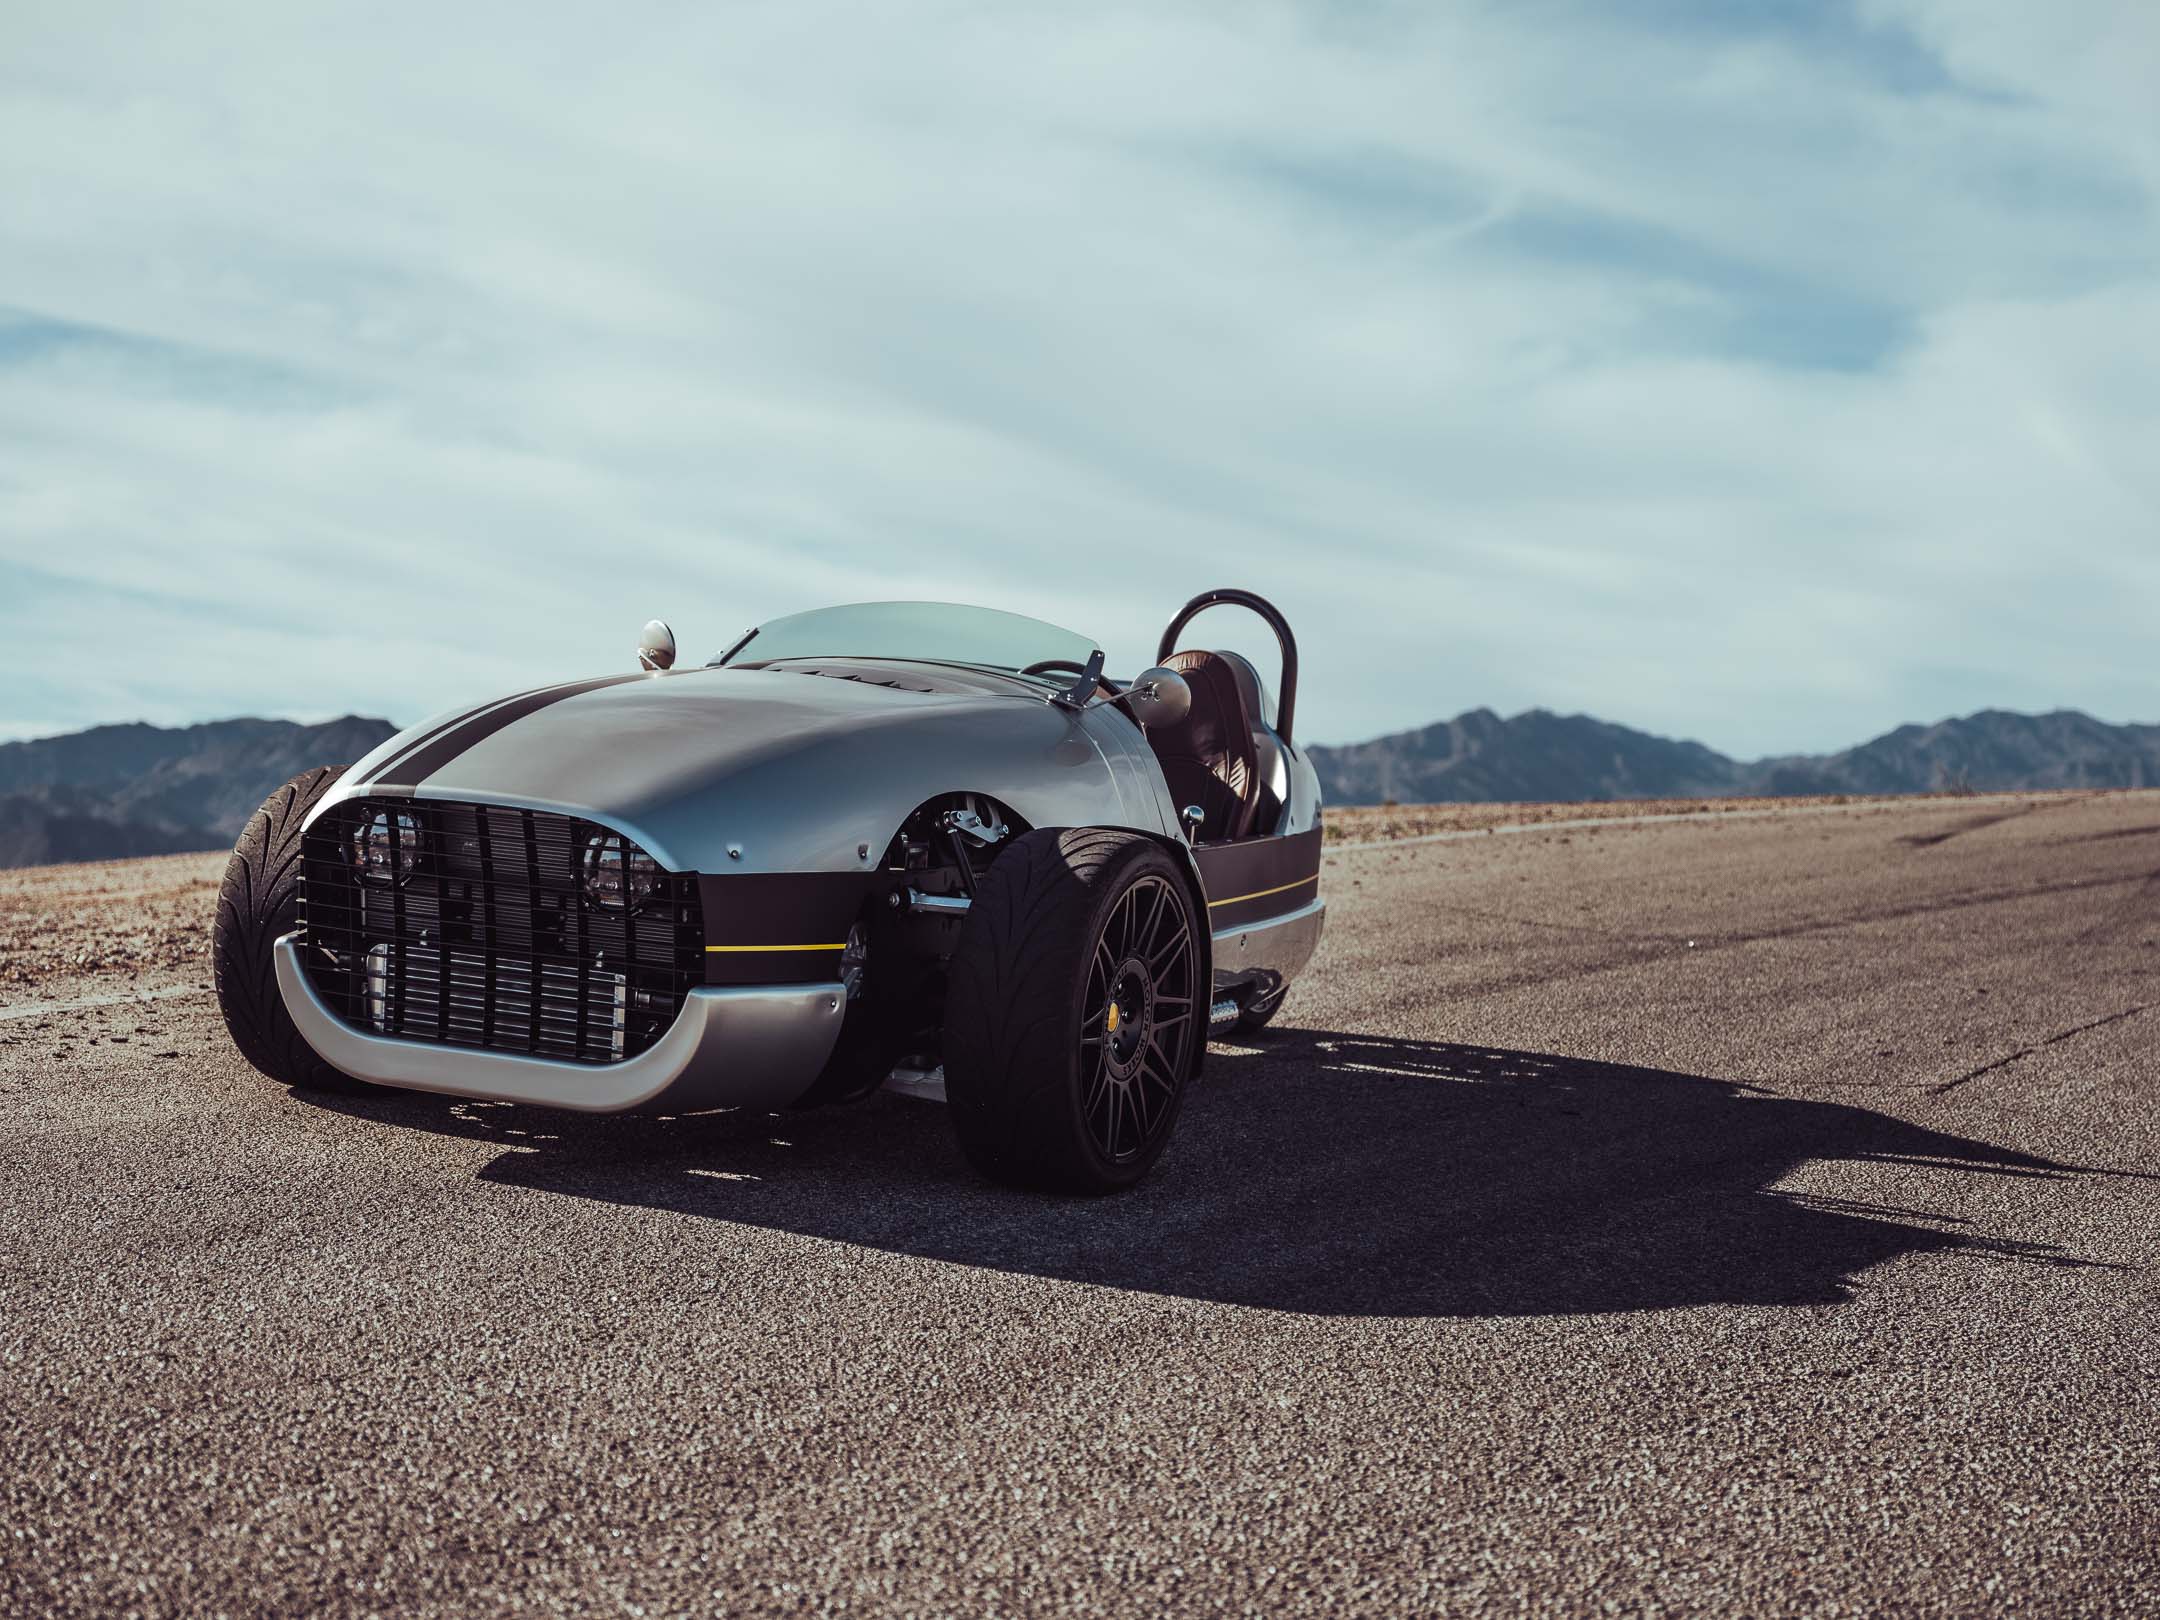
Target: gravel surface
<point x="1366" y="823"/>
<point x="114" y="921"/>
<point x="1753" y="1214"/>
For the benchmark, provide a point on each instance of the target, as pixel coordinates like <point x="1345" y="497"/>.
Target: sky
<point x="1766" y="374"/>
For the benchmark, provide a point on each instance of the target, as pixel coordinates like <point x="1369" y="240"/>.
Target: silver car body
<point x="767" y="782"/>
<point x="751" y="770"/>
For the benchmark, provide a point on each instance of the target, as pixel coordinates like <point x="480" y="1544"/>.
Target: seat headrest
<point x="1259" y="705"/>
<point x="1211" y="725"/>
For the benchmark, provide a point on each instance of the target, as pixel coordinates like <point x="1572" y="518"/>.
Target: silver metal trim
<point x="1280" y="946"/>
<point x="732" y="1046"/>
<point x="967" y="821"/>
<point x="925" y="1085"/>
<point x="943" y="905"/>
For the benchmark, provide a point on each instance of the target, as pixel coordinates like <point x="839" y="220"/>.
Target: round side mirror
<point x="656" y="647"/>
<point x="1158" y="697"/>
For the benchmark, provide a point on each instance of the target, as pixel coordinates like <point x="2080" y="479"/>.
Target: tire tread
<point x="257" y="903"/>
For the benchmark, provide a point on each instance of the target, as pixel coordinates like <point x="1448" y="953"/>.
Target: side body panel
<point x="1259" y="878"/>
<point x="1264" y="905"/>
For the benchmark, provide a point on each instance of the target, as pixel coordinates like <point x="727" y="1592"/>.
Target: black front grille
<point x="487" y="939"/>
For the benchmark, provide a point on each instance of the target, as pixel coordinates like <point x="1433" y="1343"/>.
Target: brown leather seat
<point x="1272" y="776"/>
<point x="1207" y="758"/>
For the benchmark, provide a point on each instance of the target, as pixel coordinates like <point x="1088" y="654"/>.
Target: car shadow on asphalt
<point x="1329" y="1173"/>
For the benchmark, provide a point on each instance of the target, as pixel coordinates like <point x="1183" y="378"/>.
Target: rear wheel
<point x="1260" y="1012"/>
<point x="1072" y="1018"/>
<point x="258" y="903"/>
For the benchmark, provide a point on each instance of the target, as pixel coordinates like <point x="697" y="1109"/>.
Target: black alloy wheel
<point x="1073" y="1009"/>
<point x="1136" y="1034"/>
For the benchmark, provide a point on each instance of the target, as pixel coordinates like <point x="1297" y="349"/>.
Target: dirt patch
<point x="106" y="920"/>
<point x="101" y="924"/>
<point x="1358" y="824"/>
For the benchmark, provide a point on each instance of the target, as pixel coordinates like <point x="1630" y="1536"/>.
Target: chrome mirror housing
<point x="656" y="646"/>
<point x="1157" y="697"/>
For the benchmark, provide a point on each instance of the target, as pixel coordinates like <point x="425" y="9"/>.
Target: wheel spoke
<point x="1117" y="1121"/>
<point x="1154" y="1055"/>
<point x="1154" y="916"/>
<point x="1127" y="909"/>
<point x="1155" y="1090"/>
<point x="1092" y="1105"/>
<point x="1143" y="965"/>
<point x="1166" y="954"/>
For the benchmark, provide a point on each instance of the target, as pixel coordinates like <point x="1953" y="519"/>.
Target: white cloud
<point x="1770" y="386"/>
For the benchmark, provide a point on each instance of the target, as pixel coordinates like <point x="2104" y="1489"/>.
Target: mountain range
<point x="145" y="790"/>
<point x="1539" y="756"/>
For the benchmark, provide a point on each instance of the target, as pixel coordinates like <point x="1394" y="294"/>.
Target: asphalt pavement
<point x="1749" y="1216"/>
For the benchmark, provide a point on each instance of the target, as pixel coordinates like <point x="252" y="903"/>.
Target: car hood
<point x="759" y="769"/>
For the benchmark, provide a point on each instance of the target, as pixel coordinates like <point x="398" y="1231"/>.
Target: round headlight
<point x="386" y="846"/>
<point x="618" y="875"/>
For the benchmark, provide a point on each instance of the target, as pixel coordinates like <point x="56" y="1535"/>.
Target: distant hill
<point x="145" y="790"/>
<point x="148" y="790"/>
<point x="1992" y="751"/>
<point x="1538" y="755"/>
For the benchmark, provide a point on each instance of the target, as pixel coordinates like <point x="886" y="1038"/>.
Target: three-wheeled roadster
<point x="890" y="833"/>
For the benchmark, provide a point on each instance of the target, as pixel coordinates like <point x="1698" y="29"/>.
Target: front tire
<point x="1073" y="1017"/>
<point x="258" y="903"/>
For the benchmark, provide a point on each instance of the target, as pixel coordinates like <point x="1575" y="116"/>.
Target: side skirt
<point x="1264" y="956"/>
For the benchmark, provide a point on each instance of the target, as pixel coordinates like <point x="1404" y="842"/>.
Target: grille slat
<point x="487" y="941"/>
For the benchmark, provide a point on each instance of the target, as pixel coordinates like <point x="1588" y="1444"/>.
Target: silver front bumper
<point x="746" y="1046"/>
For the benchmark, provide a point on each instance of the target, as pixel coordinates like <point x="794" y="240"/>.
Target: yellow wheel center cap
<point x="1113" y="1018"/>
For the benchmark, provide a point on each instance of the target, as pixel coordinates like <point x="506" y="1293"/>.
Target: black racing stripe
<point x="424" y="762"/>
<point x="388" y="769"/>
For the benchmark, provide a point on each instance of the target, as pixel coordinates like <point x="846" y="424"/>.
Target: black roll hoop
<point x="1286" y="704"/>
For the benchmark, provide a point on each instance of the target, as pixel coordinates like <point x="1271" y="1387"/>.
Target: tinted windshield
<point x="931" y="632"/>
